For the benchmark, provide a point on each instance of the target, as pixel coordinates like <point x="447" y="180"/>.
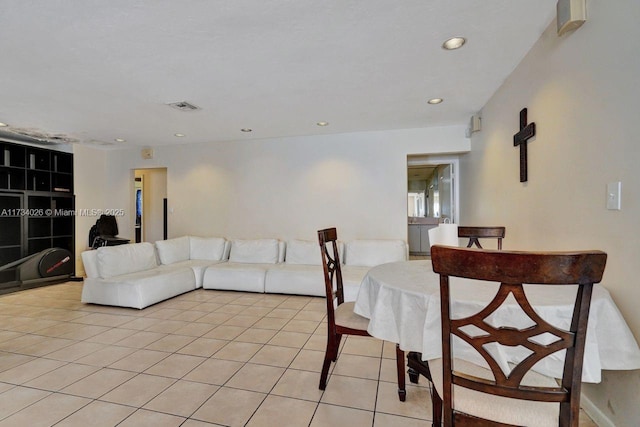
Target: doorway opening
<point x="138" y="197"/>
<point x="432" y="198"/>
<point x="149" y="200"/>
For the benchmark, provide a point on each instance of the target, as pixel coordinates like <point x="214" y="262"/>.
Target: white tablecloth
<point x="402" y="301"/>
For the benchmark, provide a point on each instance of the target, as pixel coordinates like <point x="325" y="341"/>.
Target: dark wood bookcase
<point x="36" y="205"/>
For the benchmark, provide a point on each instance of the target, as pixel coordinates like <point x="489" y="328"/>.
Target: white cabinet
<point x="419" y="238"/>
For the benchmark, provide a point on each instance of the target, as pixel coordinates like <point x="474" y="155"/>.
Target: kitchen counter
<point x="423" y="220"/>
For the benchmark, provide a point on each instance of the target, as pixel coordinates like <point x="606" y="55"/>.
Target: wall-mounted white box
<point x="614" y="192"/>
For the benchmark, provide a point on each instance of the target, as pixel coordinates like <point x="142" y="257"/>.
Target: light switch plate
<point x="614" y="190"/>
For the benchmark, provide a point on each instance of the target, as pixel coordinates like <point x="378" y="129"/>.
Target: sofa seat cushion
<point x="259" y="251"/>
<point x="295" y="279"/>
<point x="369" y="253"/>
<point x="173" y="250"/>
<point x="197" y="265"/>
<point x="139" y="289"/>
<point x="352" y="276"/>
<point x="236" y="276"/>
<point x="115" y="261"/>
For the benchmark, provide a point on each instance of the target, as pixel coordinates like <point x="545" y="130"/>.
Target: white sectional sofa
<point x="247" y="266"/>
<point x="197" y="253"/>
<point x="301" y="272"/>
<point x="142" y="274"/>
<point x="129" y="276"/>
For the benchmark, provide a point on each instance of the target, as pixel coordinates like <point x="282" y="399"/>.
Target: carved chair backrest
<point x="511" y="270"/>
<point x="328" y="240"/>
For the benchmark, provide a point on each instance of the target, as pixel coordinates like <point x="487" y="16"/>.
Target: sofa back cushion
<point x="173" y="250"/>
<point x="262" y="251"/>
<point x="206" y="248"/>
<point x="369" y="253"/>
<point x="303" y="252"/>
<point x="124" y="259"/>
<point x="306" y="252"/>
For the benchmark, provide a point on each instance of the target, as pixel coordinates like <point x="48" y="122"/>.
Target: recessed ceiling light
<point x="323" y="123"/>
<point x="2" y="125"/>
<point x="454" y="43"/>
<point x="246" y="130"/>
<point x="434" y="101"/>
<point x="179" y="135"/>
<point x="119" y="140"/>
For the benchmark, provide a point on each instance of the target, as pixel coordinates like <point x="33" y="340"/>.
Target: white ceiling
<point x="96" y="70"/>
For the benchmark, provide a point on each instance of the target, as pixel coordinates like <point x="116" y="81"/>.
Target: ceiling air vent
<point x="183" y="106"/>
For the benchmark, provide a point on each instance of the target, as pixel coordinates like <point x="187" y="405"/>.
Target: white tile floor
<point x="201" y="359"/>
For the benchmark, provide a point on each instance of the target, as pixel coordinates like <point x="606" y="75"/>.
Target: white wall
<point x="582" y="92"/>
<point x="285" y="188"/>
<point x="90" y="166"/>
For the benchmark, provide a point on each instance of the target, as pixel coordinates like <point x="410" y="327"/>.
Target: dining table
<point x="402" y="302"/>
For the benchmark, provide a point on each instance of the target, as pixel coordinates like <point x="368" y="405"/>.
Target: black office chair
<point x="104" y="233"/>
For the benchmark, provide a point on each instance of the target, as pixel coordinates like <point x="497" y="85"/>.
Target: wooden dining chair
<point x="475" y="233"/>
<point x="341" y="320"/>
<point x="416" y="365"/>
<point x="472" y="394"/>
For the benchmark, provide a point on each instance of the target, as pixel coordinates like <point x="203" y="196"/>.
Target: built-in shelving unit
<point x="36" y="204"/>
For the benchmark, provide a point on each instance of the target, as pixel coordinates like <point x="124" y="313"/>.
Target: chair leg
<point x="325" y="372"/>
<point x="414" y="376"/>
<point x="400" y="362"/>
<point x="336" y="348"/>
<point x="417" y="367"/>
<point x="436" y="405"/>
<point x="329" y="356"/>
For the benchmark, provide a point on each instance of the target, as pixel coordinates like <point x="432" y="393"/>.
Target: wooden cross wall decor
<point x="527" y="131"/>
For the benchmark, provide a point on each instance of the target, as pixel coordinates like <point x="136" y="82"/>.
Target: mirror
<point x="429" y="191"/>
